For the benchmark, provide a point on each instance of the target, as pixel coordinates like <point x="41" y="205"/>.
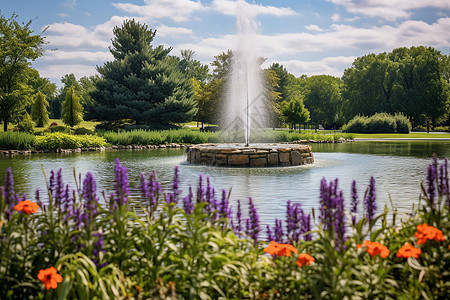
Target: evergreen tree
<point x="142" y="83"/>
<point x="39" y="111"/>
<point x="72" y="111"/>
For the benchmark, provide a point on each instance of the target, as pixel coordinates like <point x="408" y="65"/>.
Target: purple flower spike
<point x="238" y="227"/>
<point x="279" y="231"/>
<point x="176" y="182"/>
<point x="144" y="187"/>
<point x="200" y="190"/>
<point x="339" y="225"/>
<point x="370" y="201"/>
<point x="9" y="194"/>
<point x="122" y="185"/>
<point x="270" y="236"/>
<point x="289" y="218"/>
<point x="91" y="200"/>
<point x="224" y="207"/>
<point x="188" y="204"/>
<point x="355" y="202"/>
<point x="254" y="228"/>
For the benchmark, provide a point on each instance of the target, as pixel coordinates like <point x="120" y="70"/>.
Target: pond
<point x="398" y="167"/>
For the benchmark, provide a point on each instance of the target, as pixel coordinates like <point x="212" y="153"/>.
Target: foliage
<point x="295" y="112"/>
<point x="59" y="140"/>
<point x="323" y="100"/>
<point x="16" y="140"/>
<point x="19" y="47"/>
<point x="378" y="123"/>
<point x="142" y="83"/>
<point x="25" y="124"/>
<point x="39" y="110"/>
<point x="162" y="245"/>
<point x="83" y="130"/>
<point x="58" y="128"/>
<point x="408" y="80"/>
<point x="72" y="111"/>
<point x="441" y="129"/>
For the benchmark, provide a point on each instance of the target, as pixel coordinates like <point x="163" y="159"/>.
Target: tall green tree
<point x="323" y="99"/>
<point x="39" y="112"/>
<point x="143" y="83"/>
<point x="18" y="48"/>
<point x="285" y="80"/>
<point x="72" y="111"/>
<point x="193" y="68"/>
<point x="295" y="112"/>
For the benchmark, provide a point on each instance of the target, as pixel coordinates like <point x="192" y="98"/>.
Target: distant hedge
<point x="379" y="123"/>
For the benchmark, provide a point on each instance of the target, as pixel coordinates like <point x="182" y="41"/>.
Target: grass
<point x="412" y="135"/>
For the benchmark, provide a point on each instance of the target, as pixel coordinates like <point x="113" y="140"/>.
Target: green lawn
<point x="412" y="135"/>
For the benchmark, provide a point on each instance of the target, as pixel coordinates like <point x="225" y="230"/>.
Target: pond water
<point x="398" y="168"/>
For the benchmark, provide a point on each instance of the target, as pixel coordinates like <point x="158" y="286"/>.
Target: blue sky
<point x="306" y="36"/>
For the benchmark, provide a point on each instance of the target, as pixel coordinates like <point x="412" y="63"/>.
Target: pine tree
<point x="39" y="111"/>
<point x="72" y="111"/>
<point x="142" y="83"/>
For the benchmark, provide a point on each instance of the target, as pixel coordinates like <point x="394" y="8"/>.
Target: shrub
<point x="83" y="131"/>
<point x="59" y="140"/>
<point x="356" y="125"/>
<point x="420" y="128"/>
<point x="26" y="124"/>
<point x="441" y="129"/>
<point x="16" y="140"/>
<point x="403" y="124"/>
<point x="53" y="124"/>
<point x="58" y="128"/>
<point x="381" y="123"/>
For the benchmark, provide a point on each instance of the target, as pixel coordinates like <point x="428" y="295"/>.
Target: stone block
<point x="283" y="157"/>
<point x="272" y="159"/>
<point x="296" y="158"/>
<point x="238" y="160"/>
<point x="258" y="162"/>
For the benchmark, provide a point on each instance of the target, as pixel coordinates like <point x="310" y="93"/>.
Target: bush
<point x="26" y="124"/>
<point x="59" y="128"/>
<point x="378" y="123"/>
<point x="16" y="140"/>
<point x="403" y="124"/>
<point x="420" y="128"/>
<point x="60" y="140"/>
<point x="83" y="131"/>
<point x="441" y="129"/>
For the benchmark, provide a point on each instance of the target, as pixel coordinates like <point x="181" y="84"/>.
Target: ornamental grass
<point x="76" y="242"/>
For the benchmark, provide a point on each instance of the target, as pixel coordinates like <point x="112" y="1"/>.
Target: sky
<point x="309" y="37"/>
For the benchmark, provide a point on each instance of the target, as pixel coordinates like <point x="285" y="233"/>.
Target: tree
<point x="39" y="111"/>
<point x="192" y="68"/>
<point x="19" y="46"/>
<point x="285" y="80"/>
<point x="323" y="99"/>
<point x="295" y="112"/>
<point x="72" y="111"/>
<point x="142" y="83"/>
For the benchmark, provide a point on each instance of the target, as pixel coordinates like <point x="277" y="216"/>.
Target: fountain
<point x="246" y="109"/>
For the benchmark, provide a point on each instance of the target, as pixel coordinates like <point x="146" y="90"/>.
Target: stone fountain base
<point x="258" y="155"/>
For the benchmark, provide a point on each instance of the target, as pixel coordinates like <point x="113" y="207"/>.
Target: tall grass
<point x="16" y="140"/>
<point x="187" y="136"/>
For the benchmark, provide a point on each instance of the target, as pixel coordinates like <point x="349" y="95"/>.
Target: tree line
<point x="148" y="87"/>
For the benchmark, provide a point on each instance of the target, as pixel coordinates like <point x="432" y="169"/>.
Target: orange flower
<point x="407" y="251"/>
<point x="50" y="278"/>
<point x="425" y="232"/>
<point x="275" y="248"/>
<point x="304" y="259"/>
<point x="374" y="248"/>
<point x="27" y="207"/>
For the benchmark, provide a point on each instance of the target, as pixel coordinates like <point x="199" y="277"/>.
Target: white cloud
<point x="177" y="10"/>
<point x="390" y="10"/>
<point x="64" y="15"/>
<point x="313" y="27"/>
<point x="335" y="18"/>
<point x="229" y="7"/>
<point x="166" y="31"/>
<point x="71" y="4"/>
<point x="329" y="66"/>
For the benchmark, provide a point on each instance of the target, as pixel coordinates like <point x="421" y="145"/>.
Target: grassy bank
<point x="412" y="135"/>
<point x="75" y="244"/>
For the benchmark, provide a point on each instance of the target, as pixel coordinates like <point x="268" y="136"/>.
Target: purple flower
<point x="289" y="218"/>
<point x="270" y="236"/>
<point x="355" y="202"/>
<point x="224" y="207"/>
<point x="9" y="194"/>
<point x="326" y="204"/>
<point x="238" y="227"/>
<point x="370" y="201"/>
<point x="144" y="187"/>
<point x="253" y="228"/>
<point x="188" y="204"/>
<point x="122" y="185"/>
<point x="98" y="247"/>
<point x="91" y="200"/>
<point x="176" y="182"/>
<point x="200" y="190"/>
<point x="278" y="231"/>
<point x="339" y="219"/>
